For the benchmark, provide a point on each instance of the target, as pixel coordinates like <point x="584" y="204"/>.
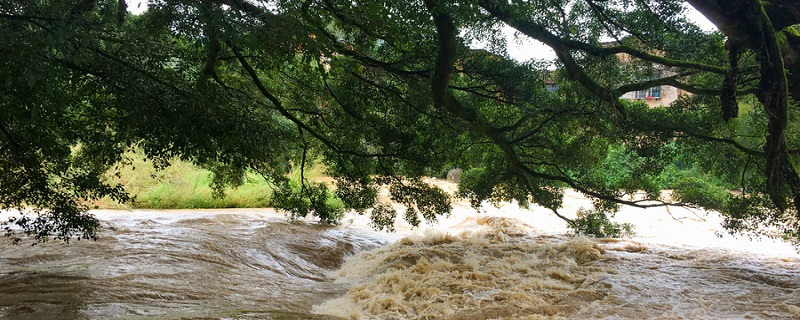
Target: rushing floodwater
<point x="184" y="264"/>
<point x="502" y="263"/>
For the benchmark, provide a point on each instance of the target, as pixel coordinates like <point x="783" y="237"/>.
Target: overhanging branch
<point x="538" y="32"/>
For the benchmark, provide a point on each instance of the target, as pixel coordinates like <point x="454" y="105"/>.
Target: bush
<point x="701" y="192"/>
<point x="597" y="224"/>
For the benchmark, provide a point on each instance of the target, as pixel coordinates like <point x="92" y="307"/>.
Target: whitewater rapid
<point x="496" y="263"/>
<point x="509" y="263"/>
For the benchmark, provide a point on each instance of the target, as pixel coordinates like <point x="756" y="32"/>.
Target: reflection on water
<point x="497" y="264"/>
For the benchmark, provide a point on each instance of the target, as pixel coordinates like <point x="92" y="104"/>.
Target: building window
<point x="653" y="93"/>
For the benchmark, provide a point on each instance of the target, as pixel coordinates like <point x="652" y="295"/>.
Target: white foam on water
<point x="494" y="271"/>
<point x="513" y="263"/>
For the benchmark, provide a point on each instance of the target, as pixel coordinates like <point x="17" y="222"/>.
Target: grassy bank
<point x="182" y="186"/>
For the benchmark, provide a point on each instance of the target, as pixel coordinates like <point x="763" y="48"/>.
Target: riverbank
<point x="183" y="185"/>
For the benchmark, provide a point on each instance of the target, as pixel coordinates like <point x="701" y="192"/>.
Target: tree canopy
<point x="387" y="92"/>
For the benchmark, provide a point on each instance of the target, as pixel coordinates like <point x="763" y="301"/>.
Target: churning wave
<point x="503" y="263"/>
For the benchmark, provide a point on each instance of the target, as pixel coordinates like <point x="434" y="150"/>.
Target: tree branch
<point x="288" y="115"/>
<point x="539" y="33"/>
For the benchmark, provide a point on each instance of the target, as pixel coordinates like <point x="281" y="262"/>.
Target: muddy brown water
<point x="175" y="265"/>
<point x="254" y="264"/>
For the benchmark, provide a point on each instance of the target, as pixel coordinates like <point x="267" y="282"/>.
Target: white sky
<point x="137" y="6"/>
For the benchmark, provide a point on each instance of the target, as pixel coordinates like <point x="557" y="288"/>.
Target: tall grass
<point x="182" y="186"/>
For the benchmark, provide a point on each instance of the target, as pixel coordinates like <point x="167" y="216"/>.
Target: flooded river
<point x="500" y="263"/>
<point x="250" y="264"/>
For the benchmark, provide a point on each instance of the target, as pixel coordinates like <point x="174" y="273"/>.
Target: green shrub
<point x="597" y="224"/>
<point x="701" y="192"/>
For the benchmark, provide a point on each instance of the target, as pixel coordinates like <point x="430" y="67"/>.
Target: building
<point x="655" y="96"/>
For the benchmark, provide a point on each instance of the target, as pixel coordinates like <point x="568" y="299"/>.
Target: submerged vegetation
<point x="598" y="224"/>
<point x="384" y="93"/>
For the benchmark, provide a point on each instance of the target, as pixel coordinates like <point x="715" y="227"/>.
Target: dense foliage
<point x="386" y="92"/>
